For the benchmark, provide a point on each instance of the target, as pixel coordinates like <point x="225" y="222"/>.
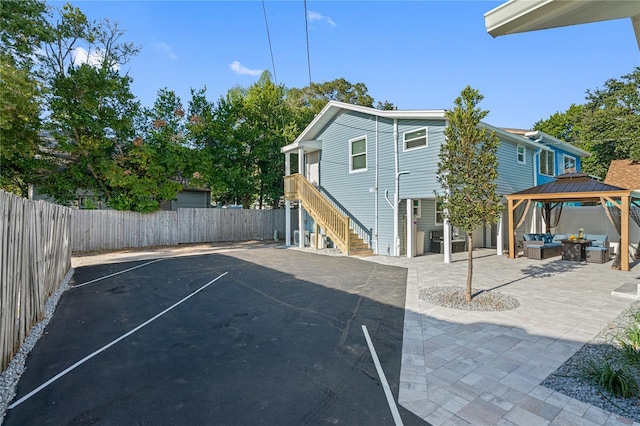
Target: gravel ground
<point x="570" y="378"/>
<point x="10" y="377"/>
<point x="453" y="297"/>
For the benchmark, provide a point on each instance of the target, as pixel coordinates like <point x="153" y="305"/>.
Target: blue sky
<point x="416" y="54"/>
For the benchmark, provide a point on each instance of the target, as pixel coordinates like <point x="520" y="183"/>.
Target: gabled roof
<point x="517" y="16"/>
<point x="574" y="186"/>
<point x="307" y="139"/>
<point x="625" y="174"/>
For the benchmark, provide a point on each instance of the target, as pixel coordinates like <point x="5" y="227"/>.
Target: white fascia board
<point x="566" y="146"/>
<point x="517" y="16"/>
<point x="333" y="108"/>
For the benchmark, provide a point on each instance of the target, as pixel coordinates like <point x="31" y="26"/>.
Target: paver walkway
<point x="479" y="368"/>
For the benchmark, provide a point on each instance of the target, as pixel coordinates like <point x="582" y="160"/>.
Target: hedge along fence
<point x="112" y="230"/>
<point x="35" y="257"/>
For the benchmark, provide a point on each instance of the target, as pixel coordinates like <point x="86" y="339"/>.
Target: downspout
<point x="396" y="197"/>
<point x="375" y="195"/>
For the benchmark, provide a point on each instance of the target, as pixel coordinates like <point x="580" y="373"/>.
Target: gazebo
<point x="619" y="204"/>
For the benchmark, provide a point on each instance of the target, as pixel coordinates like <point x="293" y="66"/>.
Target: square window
<point x="358" y="154"/>
<point x="415" y="139"/>
<point x="569" y="163"/>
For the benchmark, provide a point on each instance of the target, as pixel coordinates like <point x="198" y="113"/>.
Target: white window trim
<point x="553" y="154"/>
<point x="366" y="154"/>
<point x="524" y="154"/>
<point x="575" y="162"/>
<point x="426" y="139"/>
<point x="436" y="215"/>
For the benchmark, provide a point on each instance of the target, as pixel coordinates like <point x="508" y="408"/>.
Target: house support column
<point x="446" y="240"/>
<point x="499" y="237"/>
<point x="624" y="233"/>
<point x="409" y="236"/>
<point x="512" y="242"/>
<point x="301" y="227"/>
<point x="287" y="203"/>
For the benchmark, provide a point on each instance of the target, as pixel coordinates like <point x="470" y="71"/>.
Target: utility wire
<point x="273" y="63"/>
<point x="306" y="29"/>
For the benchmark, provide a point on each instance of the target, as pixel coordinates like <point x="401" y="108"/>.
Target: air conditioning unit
<point x="296" y="238"/>
<point x="322" y="240"/>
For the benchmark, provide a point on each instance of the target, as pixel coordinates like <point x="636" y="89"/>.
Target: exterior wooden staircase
<point x="326" y="215"/>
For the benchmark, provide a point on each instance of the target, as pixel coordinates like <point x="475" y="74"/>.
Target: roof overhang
<point x="307" y="146"/>
<point x="517" y="16"/>
<point x="565" y="146"/>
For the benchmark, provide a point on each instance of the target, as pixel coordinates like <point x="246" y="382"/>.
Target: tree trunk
<point x="467" y="295"/>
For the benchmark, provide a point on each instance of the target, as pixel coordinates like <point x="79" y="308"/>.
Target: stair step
<point x="361" y="252"/>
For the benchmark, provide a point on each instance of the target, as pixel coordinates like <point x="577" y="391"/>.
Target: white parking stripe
<point x="107" y="346"/>
<point x="385" y="385"/>
<point x="115" y="273"/>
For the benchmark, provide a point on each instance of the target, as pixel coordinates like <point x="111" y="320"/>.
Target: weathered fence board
<point x="110" y="230"/>
<point x="34" y="258"/>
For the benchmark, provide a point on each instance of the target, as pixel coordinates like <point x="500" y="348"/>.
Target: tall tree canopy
<point x="23" y="28"/>
<point x="607" y="125"/>
<point x="467" y="171"/>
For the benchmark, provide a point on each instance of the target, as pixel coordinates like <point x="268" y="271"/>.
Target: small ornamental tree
<point x="467" y="171"/>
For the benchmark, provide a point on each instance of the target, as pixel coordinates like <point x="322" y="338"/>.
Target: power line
<point x="306" y="29"/>
<point x="273" y="63"/>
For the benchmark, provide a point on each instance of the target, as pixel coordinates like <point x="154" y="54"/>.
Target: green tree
<point x="562" y="125"/>
<point x="607" y="125"/>
<point x="23" y="27"/>
<point x="610" y="123"/>
<point x="467" y="171"/>
<point x="91" y="114"/>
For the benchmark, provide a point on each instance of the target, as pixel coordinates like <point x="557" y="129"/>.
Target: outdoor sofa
<point x="542" y="246"/>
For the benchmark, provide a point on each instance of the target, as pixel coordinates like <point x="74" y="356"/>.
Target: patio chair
<point x="598" y="250"/>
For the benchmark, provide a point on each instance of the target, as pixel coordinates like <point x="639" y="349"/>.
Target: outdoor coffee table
<point x="574" y="249"/>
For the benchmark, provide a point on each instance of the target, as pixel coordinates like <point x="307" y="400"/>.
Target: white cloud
<point x="315" y="16"/>
<point x="94" y="58"/>
<point x="240" y="69"/>
<point x="164" y="47"/>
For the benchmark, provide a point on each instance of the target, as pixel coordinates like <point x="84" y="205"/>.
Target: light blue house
<point x="378" y="169"/>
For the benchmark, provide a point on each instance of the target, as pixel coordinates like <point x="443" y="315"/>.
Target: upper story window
<point x="547" y="163"/>
<point x="522" y="154"/>
<point x="569" y="163"/>
<point x="358" y="154"/>
<point x="415" y="139"/>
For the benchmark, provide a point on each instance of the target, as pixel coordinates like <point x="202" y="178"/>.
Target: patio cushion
<point x="552" y="244"/>
<point x="558" y="237"/>
<point x="539" y="237"/>
<point x="599" y="240"/>
<point x="596" y="248"/>
<point x="529" y="237"/>
<point x="548" y="238"/>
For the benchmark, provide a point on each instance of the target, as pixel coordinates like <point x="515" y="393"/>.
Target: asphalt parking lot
<point x="254" y="336"/>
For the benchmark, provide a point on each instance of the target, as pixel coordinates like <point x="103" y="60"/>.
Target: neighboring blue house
<point x="556" y="158"/>
<point x="360" y="159"/>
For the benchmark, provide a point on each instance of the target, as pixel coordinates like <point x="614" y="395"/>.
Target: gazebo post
<point x="512" y="245"/>
<point x="624" y="233"/>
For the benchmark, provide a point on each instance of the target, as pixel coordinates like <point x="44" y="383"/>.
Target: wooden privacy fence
<point x="109" y="229"/>
<point x="35" y="257"/>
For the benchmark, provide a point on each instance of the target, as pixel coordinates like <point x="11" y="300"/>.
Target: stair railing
<point x="326" y="215"/>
